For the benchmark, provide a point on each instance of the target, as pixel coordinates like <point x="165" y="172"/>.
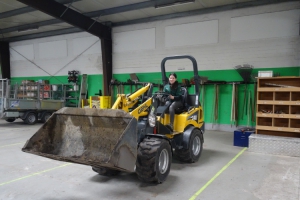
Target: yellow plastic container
<point x="105" y="102"/>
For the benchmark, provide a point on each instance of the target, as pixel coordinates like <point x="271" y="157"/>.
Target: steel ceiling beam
<point x="201" y="11"/>
<point x="94" y="14"/>
<point x="85" y="23"/>
<point x="150" y="19"/>
<point x="70" y="16"/>
<point x="43" y="34"/>
<point x="27" y="26"/>
<point x="28" y="9"/>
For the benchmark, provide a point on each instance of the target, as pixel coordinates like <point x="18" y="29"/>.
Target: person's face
<point x="172" y="79"/>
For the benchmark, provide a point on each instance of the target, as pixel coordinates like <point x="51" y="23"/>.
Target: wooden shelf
<point x="278" y="106"/>
<point x="266" y="89"/>
<point x="278" y="102"/>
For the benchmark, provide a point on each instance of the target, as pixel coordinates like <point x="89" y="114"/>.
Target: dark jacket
<point x="176" y="91"/>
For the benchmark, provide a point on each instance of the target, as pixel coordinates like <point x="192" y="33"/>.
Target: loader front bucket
<point x="95" y="137"/>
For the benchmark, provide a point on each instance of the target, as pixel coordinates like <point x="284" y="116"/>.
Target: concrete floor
<point x="251" y="176"/>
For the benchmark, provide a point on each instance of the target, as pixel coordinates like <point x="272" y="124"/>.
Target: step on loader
<point x="132" y="136"/>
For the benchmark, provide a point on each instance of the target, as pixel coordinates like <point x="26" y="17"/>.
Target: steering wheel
<point x="162" y="96"/>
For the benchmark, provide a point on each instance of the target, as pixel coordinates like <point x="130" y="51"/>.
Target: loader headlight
<point x="193" y="117"/>
<point x="151" y="119"/>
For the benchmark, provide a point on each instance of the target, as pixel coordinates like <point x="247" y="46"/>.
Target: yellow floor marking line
<point x="37" y="173"/>
<point x="12" y="144"/>
<point x="216" y="175"/>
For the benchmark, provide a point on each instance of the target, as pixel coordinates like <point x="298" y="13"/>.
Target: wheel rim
<point x="31" y="118"/>
<point x="196" y="146"/>
<point x="163" y="161"/>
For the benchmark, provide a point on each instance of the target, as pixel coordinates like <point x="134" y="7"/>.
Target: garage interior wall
<point x="266" y="37"/>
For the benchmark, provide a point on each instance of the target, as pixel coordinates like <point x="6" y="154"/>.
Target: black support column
<point x="5" y="59"/>
<point x="106" y="46"/>
<point x="85" y="23"/>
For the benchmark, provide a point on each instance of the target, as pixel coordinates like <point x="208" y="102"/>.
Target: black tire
<point x="153" y="160"/>
<point x="105" y="171"/>
<point x="31" y="118"/>
<point x="10" y="119"/>
<point x="45" y="117"/>
<point x="193" y="153"/>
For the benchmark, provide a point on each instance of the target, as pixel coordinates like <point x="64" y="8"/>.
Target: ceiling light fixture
<point x="28" y="29"/>
<point x="175" y="3"/>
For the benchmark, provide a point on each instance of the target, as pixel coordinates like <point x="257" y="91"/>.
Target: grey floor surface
<point x="251" y="176"/>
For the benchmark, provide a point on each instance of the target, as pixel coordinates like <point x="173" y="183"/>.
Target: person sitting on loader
<point x="174" y="100"/>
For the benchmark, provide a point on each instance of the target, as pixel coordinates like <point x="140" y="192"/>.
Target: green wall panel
<point x="225" y="90"/>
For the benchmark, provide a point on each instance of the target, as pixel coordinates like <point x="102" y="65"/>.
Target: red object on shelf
<point x="46" y="87"/>
<point x="44" y="95"/>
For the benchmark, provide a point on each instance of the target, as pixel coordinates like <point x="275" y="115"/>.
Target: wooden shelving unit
<point x="278" y="106"/>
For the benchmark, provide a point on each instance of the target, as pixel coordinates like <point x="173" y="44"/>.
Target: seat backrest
<point x="184" y="94"/>
<point x="184" y="98"/>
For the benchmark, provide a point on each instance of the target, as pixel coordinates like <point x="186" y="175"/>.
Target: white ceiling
<point x="9" y="25"/>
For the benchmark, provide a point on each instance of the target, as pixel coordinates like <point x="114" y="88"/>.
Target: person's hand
<point x="171" y="97"/>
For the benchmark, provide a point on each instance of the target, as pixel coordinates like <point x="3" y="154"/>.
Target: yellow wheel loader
<point x="132" y="136"/>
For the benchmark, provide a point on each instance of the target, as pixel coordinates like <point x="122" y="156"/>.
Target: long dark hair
<point x="175" y="84"/>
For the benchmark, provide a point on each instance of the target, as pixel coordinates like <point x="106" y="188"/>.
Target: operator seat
<point x="184" y="107"/>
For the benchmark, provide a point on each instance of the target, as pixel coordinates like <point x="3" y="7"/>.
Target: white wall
<point x="56" y="55"/>
<point x="265" y="37"/>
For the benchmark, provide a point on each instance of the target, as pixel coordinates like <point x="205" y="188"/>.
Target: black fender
<point x="158" y="136"/>
<point x="203" y="129"/>
<point x="172" y="144"/>
<point x="187" y="135"/>
<point x="141" y="130"/>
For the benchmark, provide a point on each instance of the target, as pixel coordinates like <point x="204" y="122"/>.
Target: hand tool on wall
<point x="249" y="108"/>
<point x="244" y="108"/>
<point x="135" y="79"/>
<point x="236" y="105"/>
<point x="245" y="72"/>
<point x="202" y="95"/>
<point x="130" y="82"/>
<point x="216" y="104"/>
<point x="121" y="88"/>
<point x="232" y="115"/>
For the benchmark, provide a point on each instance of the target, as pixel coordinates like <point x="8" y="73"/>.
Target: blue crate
<point x="241" y="137"/>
